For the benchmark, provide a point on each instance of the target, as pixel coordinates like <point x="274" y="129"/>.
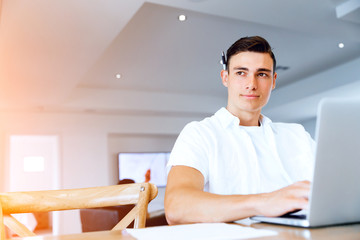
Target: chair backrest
<point x="139" y="194"/>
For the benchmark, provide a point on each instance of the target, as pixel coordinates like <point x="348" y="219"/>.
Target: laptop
<point x="335" y="189"/>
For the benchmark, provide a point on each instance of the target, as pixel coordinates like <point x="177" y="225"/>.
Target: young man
<point x="238" y="163"/>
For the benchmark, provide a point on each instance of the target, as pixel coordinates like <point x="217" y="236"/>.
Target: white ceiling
<point x="64" y="55"/>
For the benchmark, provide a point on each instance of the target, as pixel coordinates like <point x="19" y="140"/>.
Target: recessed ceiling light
<point x="182" y="17"/>
<point x="341" y="45"/>
<point x="118" y="76"/>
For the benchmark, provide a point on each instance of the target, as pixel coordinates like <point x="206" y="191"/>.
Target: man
<point x="238" y="163"/>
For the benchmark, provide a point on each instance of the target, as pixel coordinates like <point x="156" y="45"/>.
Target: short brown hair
<point x="250" y="44"/>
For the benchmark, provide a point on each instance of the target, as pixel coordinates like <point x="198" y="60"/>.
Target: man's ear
<point x="224" y="77"/>
<point x="274" y="81"/>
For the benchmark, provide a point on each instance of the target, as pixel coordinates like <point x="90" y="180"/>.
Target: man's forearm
<point x="190" y="205"/>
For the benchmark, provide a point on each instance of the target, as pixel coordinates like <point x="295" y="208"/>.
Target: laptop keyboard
<point x="301" y="216"/>
<point x="294" y="216"/>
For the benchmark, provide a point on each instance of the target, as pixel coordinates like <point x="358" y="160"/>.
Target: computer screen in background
<point x="141" y="167"/>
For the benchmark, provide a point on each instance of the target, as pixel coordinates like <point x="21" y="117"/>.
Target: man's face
<point x="250" y="80"/>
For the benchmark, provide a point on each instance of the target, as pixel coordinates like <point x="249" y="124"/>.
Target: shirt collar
<point x="227" y="119"/>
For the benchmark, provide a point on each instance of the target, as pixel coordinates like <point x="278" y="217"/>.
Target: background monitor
<point x="135" y="165"/>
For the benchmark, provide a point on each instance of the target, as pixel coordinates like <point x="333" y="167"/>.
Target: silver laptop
<point x="335" y="189"/>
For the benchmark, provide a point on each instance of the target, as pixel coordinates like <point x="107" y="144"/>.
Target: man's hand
<point x="287" y="199"/>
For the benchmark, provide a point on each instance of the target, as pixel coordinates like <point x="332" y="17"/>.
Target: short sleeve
<point x="191" y="150"/>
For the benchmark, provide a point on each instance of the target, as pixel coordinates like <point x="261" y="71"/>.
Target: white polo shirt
<point x="244" y="160"/>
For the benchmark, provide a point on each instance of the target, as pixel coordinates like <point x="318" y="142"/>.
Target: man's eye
<point x="263" y="75"/>
<point x="240" y="73"/>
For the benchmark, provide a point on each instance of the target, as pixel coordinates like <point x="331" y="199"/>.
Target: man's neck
<point x="247" y="118"/>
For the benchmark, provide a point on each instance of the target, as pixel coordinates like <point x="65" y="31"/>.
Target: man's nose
<point x="252" y="83"/>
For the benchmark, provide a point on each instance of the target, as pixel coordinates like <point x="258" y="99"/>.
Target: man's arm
<point x="186" y="202"/>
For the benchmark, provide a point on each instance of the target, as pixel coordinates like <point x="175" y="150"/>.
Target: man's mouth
<point x="250" y="96"/>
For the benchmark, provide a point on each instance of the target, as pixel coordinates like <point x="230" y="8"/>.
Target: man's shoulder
<point x="208" y="124"/>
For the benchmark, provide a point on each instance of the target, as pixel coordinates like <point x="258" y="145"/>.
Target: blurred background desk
<point x="344" y="232"/>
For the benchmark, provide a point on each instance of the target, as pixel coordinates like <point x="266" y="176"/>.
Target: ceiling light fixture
<point x="182" y="17"/>
<point x="118" y="76"/>
<point x="341" y="45"/>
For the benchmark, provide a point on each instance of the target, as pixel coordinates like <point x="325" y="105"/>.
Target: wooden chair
<point x="139" y="194"/>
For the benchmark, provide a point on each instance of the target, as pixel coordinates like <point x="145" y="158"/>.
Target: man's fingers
<point x="304" y="184"/>
<point x="301" y="203"/>
<point x="300" y="189"/>
<point x="301" y="193"/>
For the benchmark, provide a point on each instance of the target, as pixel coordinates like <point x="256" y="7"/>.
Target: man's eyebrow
<point x="241" y="68"/>
<point x="264" y="70"/>
<point x="258" y="70"/>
